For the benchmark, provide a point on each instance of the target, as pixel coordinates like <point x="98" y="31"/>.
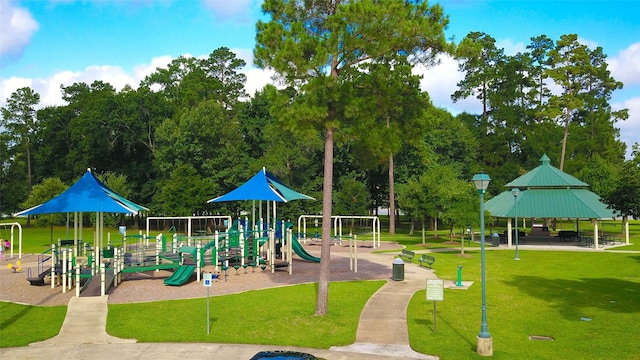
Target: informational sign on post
<point x="435" y="290"/>
<point x="435" y="293"/>
<point x="208" y="278"/>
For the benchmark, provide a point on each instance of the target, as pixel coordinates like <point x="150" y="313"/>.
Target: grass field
<point x="544" y="294"/>
<point x="588" y="302"/>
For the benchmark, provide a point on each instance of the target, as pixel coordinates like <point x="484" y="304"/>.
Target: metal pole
<point x="208" y="318"/>
<point x="515" y="200"/>
<point x="484" y="328"/>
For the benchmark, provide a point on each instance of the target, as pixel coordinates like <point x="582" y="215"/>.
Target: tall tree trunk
<point x="392" y="199"/>
<point x="322" y="301"/>
<point x="567" y="120"/>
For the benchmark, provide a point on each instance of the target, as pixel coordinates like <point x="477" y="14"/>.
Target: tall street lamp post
<point x="484" y="340"/>
<point x="516" y="192"/>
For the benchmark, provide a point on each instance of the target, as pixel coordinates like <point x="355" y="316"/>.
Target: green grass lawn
<point x="21" y="325"/>
<point x="546" y="294"/>
<point x="278" y="316"/>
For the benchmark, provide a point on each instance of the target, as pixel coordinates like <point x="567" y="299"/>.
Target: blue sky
<point x="46" y="43"/>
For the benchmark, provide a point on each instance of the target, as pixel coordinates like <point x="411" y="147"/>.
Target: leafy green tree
<point x="206" y="138"/>
<point x="624" y="197"/>
<point x="461" y="198"/>
<point x="118" y="183"/>
<point x="224" y="67"/>
<point x="583" y="77"/>
<point x="184" y="193"/>
<point x="53" y="143"/>
<point x="479" y="58"/>
<point x="412" y="201"/>
<point x="352" y="198"/>
<point x="539" y="51"/>
<point x="187" y="80"/>
<point x="449" y="142"/>
<point x="312" y="46"/>
<point x="171" y="81"/>
<point x="388" y="109"/>
<point x="43" y="192"/>
<point x="19" y="120"/>
<point x="91" y="128"/>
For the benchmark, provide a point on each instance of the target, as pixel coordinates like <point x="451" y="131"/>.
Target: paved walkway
<point x="382" y="331"/>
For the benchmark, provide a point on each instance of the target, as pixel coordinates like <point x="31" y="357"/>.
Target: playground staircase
<point x="39" y="279"/>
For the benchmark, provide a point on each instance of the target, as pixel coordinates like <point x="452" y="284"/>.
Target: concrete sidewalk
<point x="382" y="331"/>
<point x="383" y="328"/>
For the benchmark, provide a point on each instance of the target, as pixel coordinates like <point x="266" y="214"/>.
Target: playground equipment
<point x="15" y="268"/>
<point x="92" y="270"/>
<point x="12" y="241"/>
<point x="337" y="227"/>
<point x="211" y="222"/>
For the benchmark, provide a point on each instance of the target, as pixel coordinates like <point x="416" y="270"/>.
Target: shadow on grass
<point x="575" y="298"/>
<point x="11" y="320"/>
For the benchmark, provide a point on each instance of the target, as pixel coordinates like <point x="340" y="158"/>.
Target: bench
<point x="407" y="255"/>
<point x="426" y="260"/>
<point x="566" y="235"/>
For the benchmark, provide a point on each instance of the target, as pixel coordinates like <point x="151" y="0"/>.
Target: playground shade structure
<point x="87" y="195"/>
<point x="262" y="186"/>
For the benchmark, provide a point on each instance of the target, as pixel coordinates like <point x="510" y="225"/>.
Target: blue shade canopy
<point x="87" y="195"/>
<point x="262" y="186"/>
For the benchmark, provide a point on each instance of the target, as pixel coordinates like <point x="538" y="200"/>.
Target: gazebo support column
<point x="625" y="223"/>
<point x="595" y="233"/>
<point x="509" y="233"/>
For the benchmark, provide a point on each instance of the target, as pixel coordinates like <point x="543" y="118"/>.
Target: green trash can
<point x="398" y="270"/>
<point x="495" y="238"/>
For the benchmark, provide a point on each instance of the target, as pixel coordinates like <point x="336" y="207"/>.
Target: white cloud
<point x="441" y="81"/>
<point x="257" y="79"/>
<point x="625" y="66"/>
<point x="591" y="44"/>
<point x="49" y="88"/>
<point x="510" y="48"/>
<point x="141" y="71"/>
<point x="230" y="10"/>
<point x="16" y="28"/>
<point x="630" y="128"/>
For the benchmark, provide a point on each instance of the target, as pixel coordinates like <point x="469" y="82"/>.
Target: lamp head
<point x="481" y="181"/>
<point x="515" y="192"/>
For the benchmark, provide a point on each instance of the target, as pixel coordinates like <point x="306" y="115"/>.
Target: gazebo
<point x="546" y="192"/>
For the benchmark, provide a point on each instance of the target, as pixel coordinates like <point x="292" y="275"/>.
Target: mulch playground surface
<point x="149" y="286"/>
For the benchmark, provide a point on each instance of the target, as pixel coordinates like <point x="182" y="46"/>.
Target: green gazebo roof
<point x="546" y="176"/>
<point x="547" y="192"/>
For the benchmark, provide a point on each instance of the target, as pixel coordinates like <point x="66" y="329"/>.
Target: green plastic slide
<point x="180" y="275"/>
<point x="302" y="252"/>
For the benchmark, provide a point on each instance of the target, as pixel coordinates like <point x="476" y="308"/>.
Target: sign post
<point x="435" y="293"/>
<point x="208" y="277"/>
